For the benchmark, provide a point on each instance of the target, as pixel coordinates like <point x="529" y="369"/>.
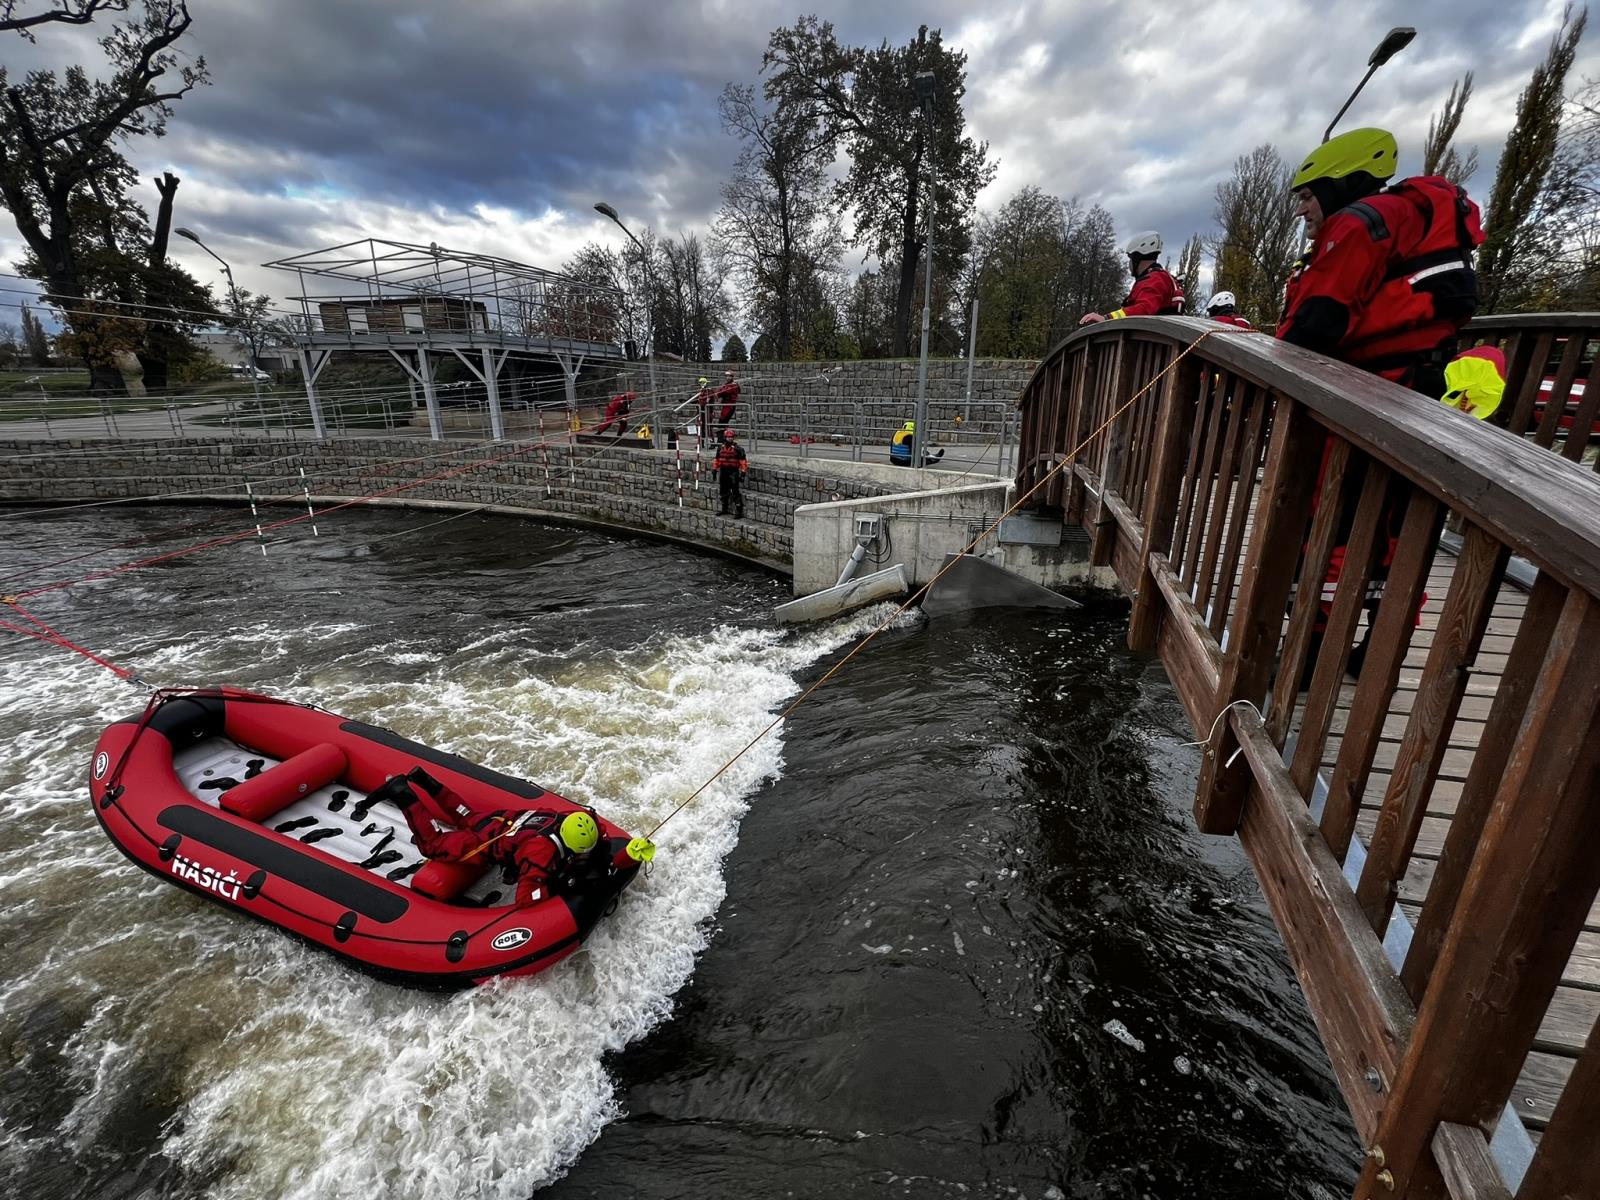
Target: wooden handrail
<point x="1219" y="501"/>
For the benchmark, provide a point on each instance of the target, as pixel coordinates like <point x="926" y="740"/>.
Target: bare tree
<point x="64" y="12"/>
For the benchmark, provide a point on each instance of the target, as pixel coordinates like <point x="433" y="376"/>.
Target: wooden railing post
<point x="1527" y="894"/>
<point x="1105" y="524"/>
<point x="1173" y="428"/>
<point x="1283" y="510"/>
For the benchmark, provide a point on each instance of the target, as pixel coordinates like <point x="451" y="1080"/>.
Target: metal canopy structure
<point x="409" y="301"/>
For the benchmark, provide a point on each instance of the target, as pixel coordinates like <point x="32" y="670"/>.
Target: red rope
<point x="54" y="638"/>
<point x="248" y="533"/>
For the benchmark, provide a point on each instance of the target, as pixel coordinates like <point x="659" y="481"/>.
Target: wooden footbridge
<point x="1428" y="836"/>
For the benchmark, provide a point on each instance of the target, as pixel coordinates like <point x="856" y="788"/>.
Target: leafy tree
<point x="1523" y="208"/>
<point x="249" y="318"/>
<point x="1256" y="249"/>
<point x="1439" y="156"/>
<point x="34" y="339"/>
<point x="690" y="305"/>
<point x="776" y="230"/>
<point x="1039" y="264"/>
<point x="733" y="349"/>
<point x="869" y="313"/>
<point x="589" y="303"/>
<point x="1188" y="275"/>
<point x="65" y="182"/>
<point x="761" y="350"/>
<point x="866" y="101"/>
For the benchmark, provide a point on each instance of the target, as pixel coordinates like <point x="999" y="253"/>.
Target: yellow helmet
<point x="1371" y="150"/>
<point x="579" y="832"/>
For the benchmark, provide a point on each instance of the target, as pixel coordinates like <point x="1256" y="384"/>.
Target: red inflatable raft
<point x="262" y="805"/>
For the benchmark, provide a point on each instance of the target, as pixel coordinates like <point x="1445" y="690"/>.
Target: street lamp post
<point x="1396" y="40"/>
<point x="924" y="85"/>
<point x="238" y="309"/>
<point x="605" y="210"/>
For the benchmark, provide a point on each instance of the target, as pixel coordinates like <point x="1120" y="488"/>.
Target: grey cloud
<point x="538" y="107"/>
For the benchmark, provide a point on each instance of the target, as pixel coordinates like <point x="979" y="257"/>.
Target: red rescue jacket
<point x="1155" y="293"/>
<point x="1234" y="319"/>
<point x="730" y="457"/>
<point x="1389" y="279"/>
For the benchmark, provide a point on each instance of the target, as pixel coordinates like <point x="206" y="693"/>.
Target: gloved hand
<point x="641" y="849"/>
<point x="1093" y="318"/>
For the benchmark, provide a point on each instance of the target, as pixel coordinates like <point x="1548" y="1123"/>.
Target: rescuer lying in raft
<point x="543" y="851"/>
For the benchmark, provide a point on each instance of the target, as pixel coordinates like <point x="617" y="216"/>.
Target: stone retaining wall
<point x="629" y="489"/>
<point x="872" y="396"/>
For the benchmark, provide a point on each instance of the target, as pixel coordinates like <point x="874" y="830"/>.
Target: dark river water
<point x="947" y="932"/>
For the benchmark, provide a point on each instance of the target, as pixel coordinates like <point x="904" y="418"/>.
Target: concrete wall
<point x="632" y="490"/>
<point x="921" y="528"/>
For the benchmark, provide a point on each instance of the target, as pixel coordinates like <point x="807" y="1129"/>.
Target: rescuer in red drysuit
<point x="1224" y="307"/>
<point x="728" y="393"/>
<point x="730" y="465"/>
<point x="546" y="851"/>
<point x="1386" y="286"/>
<point x="617" y="411"/>
<point x="1155" y="292"/>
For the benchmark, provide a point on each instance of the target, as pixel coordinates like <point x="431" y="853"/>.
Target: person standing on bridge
<point x="730" y="465"/>
<point x="1386" y="286"/>
<point x="1388" y="282"/>
<point x="1225" y="308"/>
<point x="1155" y="292"/>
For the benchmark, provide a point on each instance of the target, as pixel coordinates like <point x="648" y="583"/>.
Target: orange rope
<point x="923" y="590"/>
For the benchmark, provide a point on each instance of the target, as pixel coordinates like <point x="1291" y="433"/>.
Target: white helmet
<point x="1144" y="245"/>
<point x="1222" y="300"/>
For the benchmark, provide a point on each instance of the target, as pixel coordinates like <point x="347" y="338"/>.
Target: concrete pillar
<point x="425" y="371"/>
<point x="309" y="374"/>
<point x="491" y="385"/>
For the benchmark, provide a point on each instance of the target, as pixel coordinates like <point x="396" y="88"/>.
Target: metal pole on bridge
<point x="924" y="83"/>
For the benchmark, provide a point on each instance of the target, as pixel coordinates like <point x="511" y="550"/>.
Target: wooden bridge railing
<point x="1240" y="475"/>
<point x="1552" y="377"/>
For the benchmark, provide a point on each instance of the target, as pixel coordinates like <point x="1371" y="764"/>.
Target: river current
<point x="945" y="932"/>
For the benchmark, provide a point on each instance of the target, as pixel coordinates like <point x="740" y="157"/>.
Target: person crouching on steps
<point x="730" y="465"/>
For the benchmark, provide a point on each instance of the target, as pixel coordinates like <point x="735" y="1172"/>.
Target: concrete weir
<point x="1019" y="562"/>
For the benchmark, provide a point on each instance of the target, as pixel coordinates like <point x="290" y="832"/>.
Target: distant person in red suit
<point x="728" y="393"/>
<point x="617" y="412"/>
<point x="1223" y="307"/>
<point x="1155" y="293"/>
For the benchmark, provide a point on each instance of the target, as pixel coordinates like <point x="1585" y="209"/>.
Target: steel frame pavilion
<point x="527" y="311"/>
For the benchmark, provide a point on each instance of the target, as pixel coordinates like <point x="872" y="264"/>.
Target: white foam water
<point x="291" y="1075"/>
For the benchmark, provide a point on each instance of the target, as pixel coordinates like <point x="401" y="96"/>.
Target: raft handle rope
<point x="1069" y="459"/>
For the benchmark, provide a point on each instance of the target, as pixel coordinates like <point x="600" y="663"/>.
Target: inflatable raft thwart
<point x="265" y="806"/>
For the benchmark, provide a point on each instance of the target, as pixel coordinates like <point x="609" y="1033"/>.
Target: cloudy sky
<point x="494" y="125"/>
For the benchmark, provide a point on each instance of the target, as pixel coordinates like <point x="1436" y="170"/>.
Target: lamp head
<point x="605" y="210"/>
<point x="923" y="80"/>
<point x="187" y="233"/>
<point x="1396" y="40"/>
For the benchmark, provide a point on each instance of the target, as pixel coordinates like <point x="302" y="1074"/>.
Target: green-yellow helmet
<point x="579" y="832"/>
<point x="1371" y="150"/>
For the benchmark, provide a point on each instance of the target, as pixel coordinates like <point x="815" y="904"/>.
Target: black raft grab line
<point x="454" y="947"/>
<point x="284" y="862"/>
